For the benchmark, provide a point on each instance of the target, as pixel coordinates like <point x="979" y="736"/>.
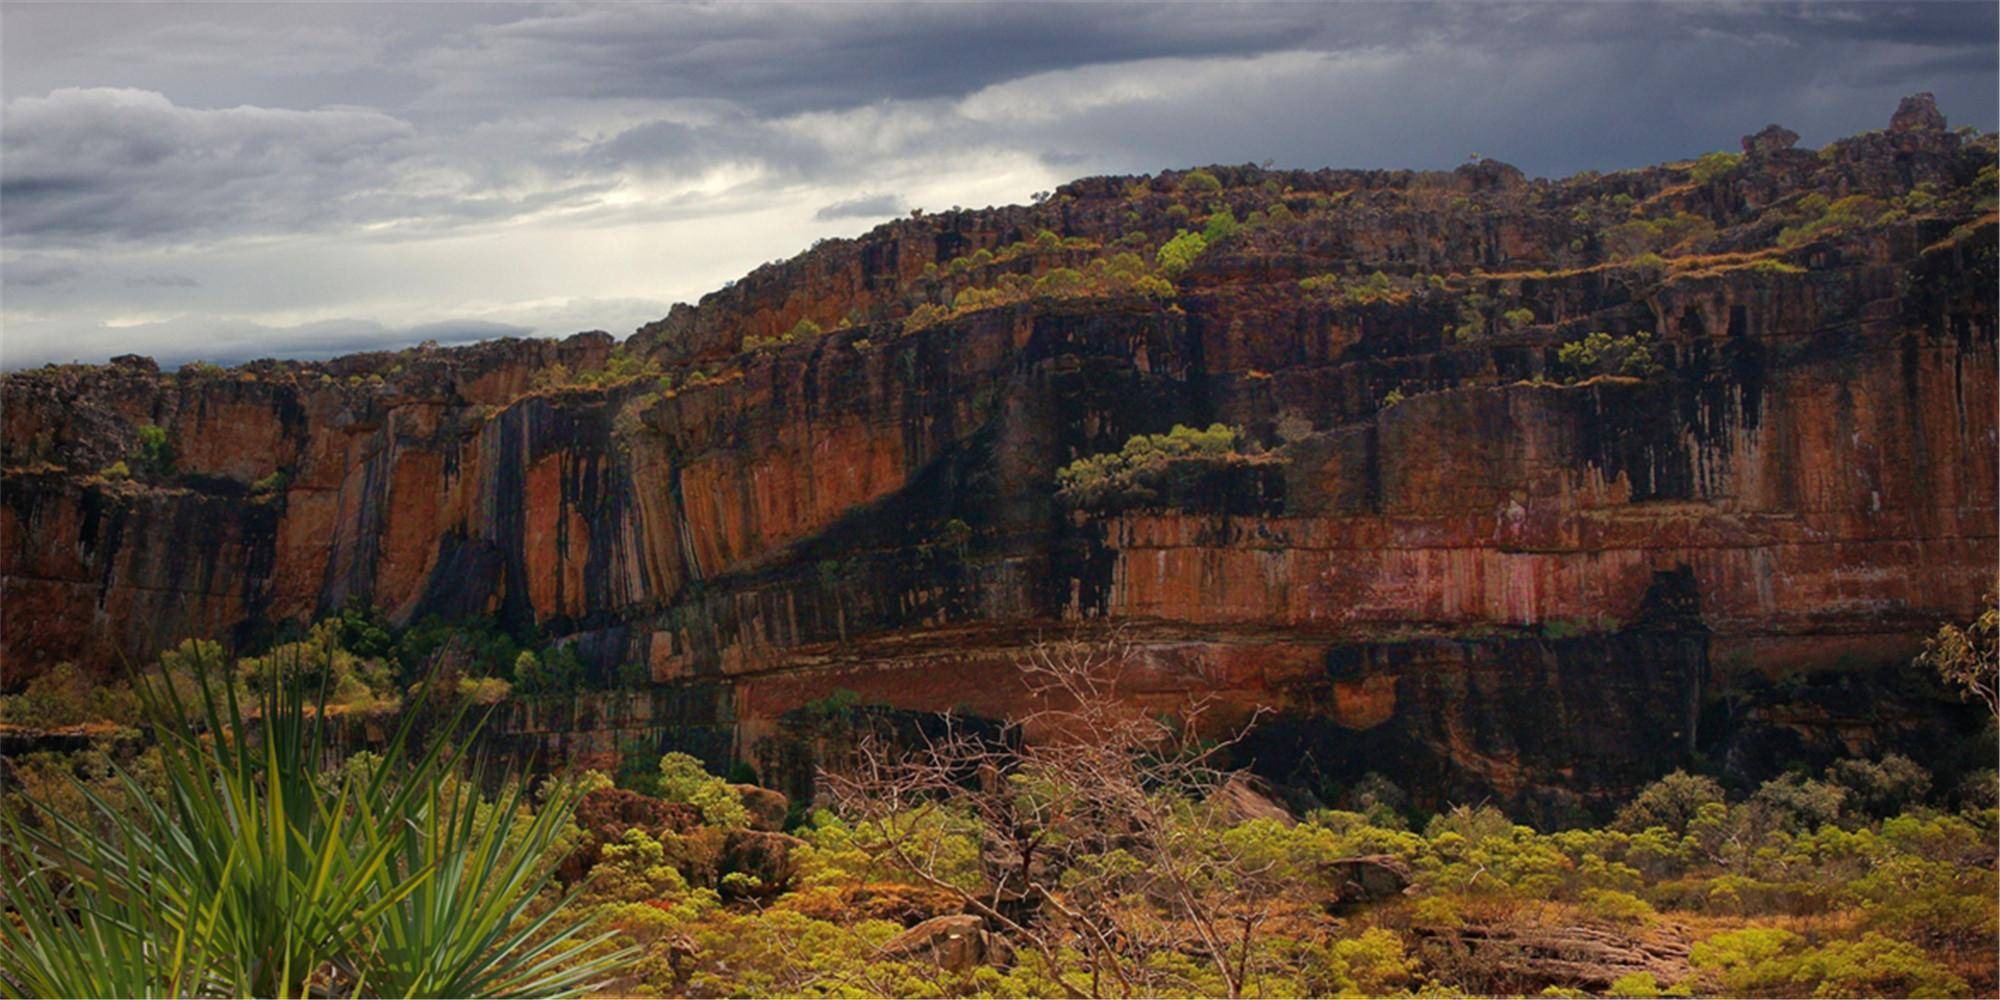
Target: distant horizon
<point x="229" y="183"/>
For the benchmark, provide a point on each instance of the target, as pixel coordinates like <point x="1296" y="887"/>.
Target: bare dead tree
<point x="1092" y="831"/>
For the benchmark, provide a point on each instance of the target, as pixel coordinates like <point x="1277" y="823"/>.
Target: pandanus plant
<point x="257" y="868"/>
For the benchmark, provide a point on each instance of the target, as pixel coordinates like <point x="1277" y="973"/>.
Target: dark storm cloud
<point x="553" y="107"/>
<point x="779" y="59"/>
<point x="868" y="206"/>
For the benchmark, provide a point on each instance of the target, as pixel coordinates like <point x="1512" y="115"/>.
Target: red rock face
<point x="1814" y="468"/>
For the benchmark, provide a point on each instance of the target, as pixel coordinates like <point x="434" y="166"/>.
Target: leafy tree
<point x="1221" y="225"/>
<point x="1671" y="802"/>
<point x="1968" y="658"/>
<point x="155" y="455"/>
<point x="1794" y="802"/>
<point x="1880" y="788"/>
<point x="555" y="670"/>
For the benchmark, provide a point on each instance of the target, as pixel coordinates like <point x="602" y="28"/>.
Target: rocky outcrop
<point x="763" y="856"/>
<point x="1774" y="138"/>
<point x="1367" y="878"/>
<point x="1520" y="960"/>
<point x="1445" y="561"/>
<point x="955" y="943"/>
<point x="1246" y="797"/>
<point x="1918" y="112"/>
<point x="767" y="808"/>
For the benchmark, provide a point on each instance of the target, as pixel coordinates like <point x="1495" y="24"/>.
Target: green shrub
<point x="1365" y="291"/>
<point x="1820" y="218"/>
<point x="1221" y="225"/>
<point x="683" y="779"/>
<point x="1138" y="469"/>
<point x="1713" y="166"/>
<point x="1619" y="907"/>
<point x="1179" y="254"/>
<point x="1767" y="960"/>
<point x="1600" y="353"/>
<point x="1881" y="788"/>
<point x="66" y="696"/>
<point x="1794" y="802"/>
<point x="555" y="671"/>
<point x="273" y="483"/>
<point x="1635" y="237"/>
<point x="156" y="453"/>
<point x="1200" y="182"/>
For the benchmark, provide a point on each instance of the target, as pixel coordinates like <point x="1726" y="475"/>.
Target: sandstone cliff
<point x="1463" y="554"/>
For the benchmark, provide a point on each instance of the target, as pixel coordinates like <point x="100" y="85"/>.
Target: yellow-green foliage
<point x="683" y="779"/>
<point x="620" y="367"/>
<point x="1640" y="236"/>
<point x="1178" y="254"/>
<point x="1370" y="290"/>
<point x="1123" y="273"/>
<point x="1601" y="353"/>
<point x="1773" y="961"/>
<point x="353" y="683"/>
<point x="1712" y="166"/>
<point x="1200" y="182"/>
<point x="804" y="329"/>
<point x="1142" y="461"/>
<point x="1848" y="880"/>
<point x="66" y="696"/>
<point x="1817" y="217"/>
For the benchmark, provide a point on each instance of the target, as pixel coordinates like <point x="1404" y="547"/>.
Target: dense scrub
<point x="1125" y="861"/>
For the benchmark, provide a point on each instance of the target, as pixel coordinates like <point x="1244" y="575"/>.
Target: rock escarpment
<point x="1464" y="555"/>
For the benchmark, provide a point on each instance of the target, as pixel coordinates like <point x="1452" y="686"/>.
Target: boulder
<point x="1367" y="878"/>
<point x="767" y="808"/>
<point x="958" y="942"/>
<point x="1917" y="113"/>
<point x="762" y="855"/>
<point x="1245" y="797"/>
<point x="1491" y="175"/>
<point x="1774" y="138"/>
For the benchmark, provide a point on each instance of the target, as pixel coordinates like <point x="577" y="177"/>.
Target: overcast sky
<point x="239" y="181"/>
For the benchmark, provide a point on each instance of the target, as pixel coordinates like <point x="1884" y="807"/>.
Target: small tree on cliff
<point x="1102" y="841"/>
<point x="1968" y="658"/>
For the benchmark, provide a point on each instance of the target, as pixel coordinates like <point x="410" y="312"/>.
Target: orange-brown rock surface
<point x="1462" y="561"/>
